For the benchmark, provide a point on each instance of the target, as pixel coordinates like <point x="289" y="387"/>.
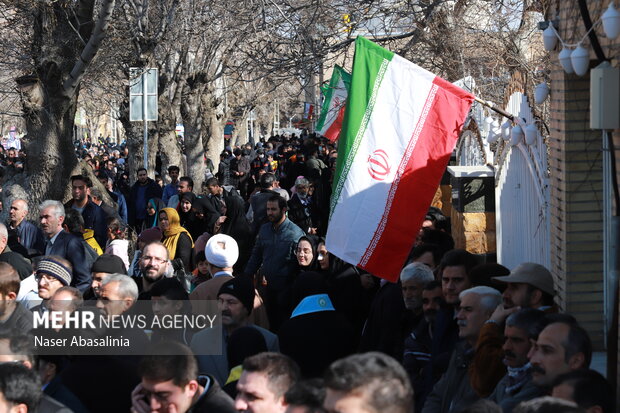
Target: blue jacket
<point x="169" y="191"/>
<point x="275" y="250"/>
<point x="122" y="205"/>
<point x="152" y="191"/>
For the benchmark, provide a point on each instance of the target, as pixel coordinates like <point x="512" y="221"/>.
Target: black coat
<point x="152" y="191"/>
<point x="86" y="375"/>
<point x="383" y="330"/>
<point x="71" y="248"/>
<point x="59" y="392"/>
<point x="315" y="340"/>
<point x="213" y="399"/>
<point x="18" y="262"/>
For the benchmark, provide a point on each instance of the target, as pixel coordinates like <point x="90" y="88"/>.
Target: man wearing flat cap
<point x="529" y="285"/>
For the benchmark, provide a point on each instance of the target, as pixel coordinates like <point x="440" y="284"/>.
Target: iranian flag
<point x="400" y="127"/>
<point x="332" y="112"/>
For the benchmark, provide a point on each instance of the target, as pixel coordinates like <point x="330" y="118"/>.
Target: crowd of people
<point x="303" y="331"/>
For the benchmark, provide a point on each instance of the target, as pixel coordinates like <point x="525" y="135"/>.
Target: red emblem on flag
<point x="378" y="165"/>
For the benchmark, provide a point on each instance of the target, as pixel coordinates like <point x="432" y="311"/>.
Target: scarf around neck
<point x="171" y="235"/>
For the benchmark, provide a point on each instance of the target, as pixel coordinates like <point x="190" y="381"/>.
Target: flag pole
<point x="491" y="106"/>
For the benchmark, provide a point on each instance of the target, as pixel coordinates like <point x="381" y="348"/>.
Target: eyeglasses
<point x="48" y="279"/>
<point x="158" y="260"/>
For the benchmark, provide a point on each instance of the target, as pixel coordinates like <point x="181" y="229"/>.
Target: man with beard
<point x="391" y="318"/>
<point x="413" y="279"/>
<point x="274" y="254"/>
<point x="522" y="328"/>
<point x="417" y="354"/>
<point x="94" y="216"/>
<point x="153" y="265"/>
<point x="235" y="301"/>
<point x="529" y="285"/>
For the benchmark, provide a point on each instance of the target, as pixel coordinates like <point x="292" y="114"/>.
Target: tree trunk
<point x="134" y="132"/>
<point x="215" y="139"/>
<point x="192" y="115"/>
<point x="49" y="95"/>
<point x="169" y="149"/>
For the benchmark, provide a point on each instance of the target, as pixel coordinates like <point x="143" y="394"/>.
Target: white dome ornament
<point x="531" y="133"/>
<point x="611" y="21"/>
<point x="495" y="132"/>
<point x="550" y="39"/>
<point x="580" y="60"/>
<point x="565" y="60"/>
<point x="541" y="91"/>
<point x="506" y="127"/>
<point x="516" y="135"/>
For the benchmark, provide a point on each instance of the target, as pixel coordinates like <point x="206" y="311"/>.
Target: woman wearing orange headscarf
<point x="177" y="239"/>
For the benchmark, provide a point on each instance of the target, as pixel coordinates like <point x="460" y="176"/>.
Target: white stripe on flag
<point x="395" y="113"/>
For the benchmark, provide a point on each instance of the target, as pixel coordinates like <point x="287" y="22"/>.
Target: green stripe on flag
<point x="328" y="91"/>
<point x="369" y="65"/>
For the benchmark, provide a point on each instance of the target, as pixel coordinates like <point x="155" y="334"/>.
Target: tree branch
<point x="72" y="82"/>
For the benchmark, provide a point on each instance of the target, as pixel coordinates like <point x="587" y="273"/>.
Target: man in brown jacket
<point x="222" y="253"/>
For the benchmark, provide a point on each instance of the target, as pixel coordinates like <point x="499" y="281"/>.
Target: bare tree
<point x="50" y="44"/>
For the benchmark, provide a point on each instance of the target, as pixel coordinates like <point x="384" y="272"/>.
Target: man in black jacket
<point x="144" y="189"/>
<point x="63" y="244"/>
<point x="170" y="382"/>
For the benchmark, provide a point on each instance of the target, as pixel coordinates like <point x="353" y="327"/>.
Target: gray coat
<point x="453" y="392"/>
<point x="508" y="401"/>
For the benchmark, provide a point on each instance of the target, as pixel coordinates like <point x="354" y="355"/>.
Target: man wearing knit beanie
<point x="237" y="292"/>
<point x="52" y="273"/>
<point x="103" y="266"/>
<point x="235" y="301"/>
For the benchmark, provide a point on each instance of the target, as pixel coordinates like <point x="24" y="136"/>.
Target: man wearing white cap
<point x="221" y="253"/>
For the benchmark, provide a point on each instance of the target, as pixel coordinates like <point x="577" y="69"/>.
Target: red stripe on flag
<point x="333" y="132"/>
<point x="420" y="180"/>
